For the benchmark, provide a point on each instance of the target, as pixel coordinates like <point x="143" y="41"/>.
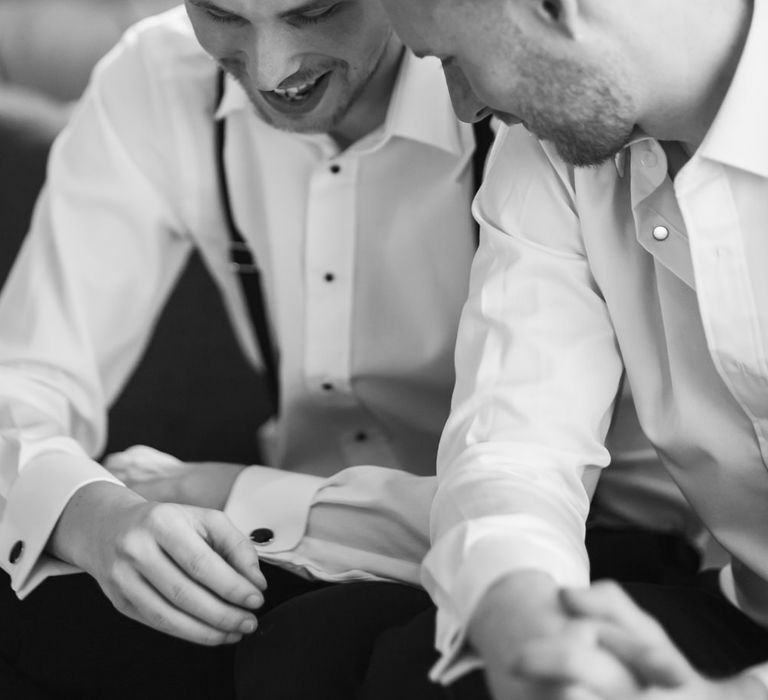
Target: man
<point x="630" y="238"/>
<point x="328" y="127"/>
<point x="324" y="129"/>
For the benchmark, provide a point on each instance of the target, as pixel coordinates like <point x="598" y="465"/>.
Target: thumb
<point x="232" y="545"/>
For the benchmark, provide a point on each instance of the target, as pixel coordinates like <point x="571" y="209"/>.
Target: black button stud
<point x="362" y="436"/>
<point x="335" y="169"/>
<point x="329" y="277"/>
<point x="262" y="535"/>
<point x="327" y="386"/>
<point x="16" y="551"/>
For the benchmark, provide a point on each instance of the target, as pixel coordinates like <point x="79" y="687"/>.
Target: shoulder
<point x="520" y="164"/>
<point x="157" y="61"/>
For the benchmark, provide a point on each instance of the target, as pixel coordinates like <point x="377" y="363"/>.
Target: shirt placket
<point x="329" y="280"/>
<point x="330" y="283"/>
<point x="658" y="224"/>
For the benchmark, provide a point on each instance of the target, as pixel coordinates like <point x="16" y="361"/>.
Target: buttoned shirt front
<point x="363" y="293"/>
<point x="584" y="273"/>
<point x="365" y="258"/>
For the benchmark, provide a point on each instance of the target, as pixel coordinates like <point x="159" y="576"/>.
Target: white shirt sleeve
<point x="537" y="373"/>
<point x="364" y="523"/>
<point x="760" y="672"/>
<point x="78" y="307"/>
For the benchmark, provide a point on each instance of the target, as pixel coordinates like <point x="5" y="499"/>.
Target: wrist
<point x="516" y="609"/>
<point x="72" y="536"/>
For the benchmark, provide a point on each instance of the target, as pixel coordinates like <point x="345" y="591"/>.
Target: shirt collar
<point x="620" y="159"/>
<point x="739" y="134"/>
<point x="419" y="109"/>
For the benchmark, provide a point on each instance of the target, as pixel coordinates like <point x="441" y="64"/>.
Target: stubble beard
<point x="583" y="111"/>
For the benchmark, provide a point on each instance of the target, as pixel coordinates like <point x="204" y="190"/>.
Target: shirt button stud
<point x="326" y="386"/>
<point x="361" y="436"/>
<point x="262" y="535"/>
<point x="16" y="552"/>
<point x="660" y="233"/>
<point x="335" y="169"/>
<point x="329" y="277"/>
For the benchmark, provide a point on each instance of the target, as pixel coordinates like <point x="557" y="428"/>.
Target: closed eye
<point x="221" y="16"/>
<point x="316" y="16"/>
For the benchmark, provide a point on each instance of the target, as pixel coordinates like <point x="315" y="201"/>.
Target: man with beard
<point x="334" y="161"/>
<point x="623" y="233"/>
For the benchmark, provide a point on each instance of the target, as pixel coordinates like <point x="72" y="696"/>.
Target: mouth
<point x="300" y="98"/>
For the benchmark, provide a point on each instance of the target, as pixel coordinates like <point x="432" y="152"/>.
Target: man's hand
<point x="159" y="476"/>
<point x="523" y="613"/>
<point x="203" y="484"/>
<point x="640" y="644"/>
<point x="184" y="571"/>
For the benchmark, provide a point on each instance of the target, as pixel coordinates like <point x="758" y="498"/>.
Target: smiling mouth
<point x="299" y="93"/>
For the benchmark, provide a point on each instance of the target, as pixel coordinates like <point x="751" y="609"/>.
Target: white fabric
<point x="131" y="190"/>
<point x="568" y="288"/>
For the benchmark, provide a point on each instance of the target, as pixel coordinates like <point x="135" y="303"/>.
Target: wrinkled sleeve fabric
<point x="538" y="370"/>
<point x="760" y="672"/>
<point x="364" y="523"/>
<point x="98" y="263"/>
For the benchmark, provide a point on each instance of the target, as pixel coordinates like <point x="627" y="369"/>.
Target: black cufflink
<point x="16" y="551"/>
<point x="262" y="535"/>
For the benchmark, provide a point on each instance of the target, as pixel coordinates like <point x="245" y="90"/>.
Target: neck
<point x="369" y="110"/>
<point x="687" y="80"/>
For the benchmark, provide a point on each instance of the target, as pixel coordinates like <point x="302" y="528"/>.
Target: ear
<point x="560" y="15"/>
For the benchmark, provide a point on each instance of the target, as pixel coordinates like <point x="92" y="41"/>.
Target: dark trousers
<point x="375" y="641"/>
<point x="65" y="640"/>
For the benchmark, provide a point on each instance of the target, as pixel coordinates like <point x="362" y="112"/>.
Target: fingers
<point x="630" y="634"/>
<point x="653" y="665"/>
<point x="606" y="600"/>
<point x="235" y="548"/>
<point x="185" y="595"/>
<point x="141" y="602"/>
<point x="573" y="659"/>
<point x="184" y="535"/>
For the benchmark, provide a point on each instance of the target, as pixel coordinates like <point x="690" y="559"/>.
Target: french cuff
<point x="760" y="673"/>
<point x="272" y="506"/>
<point x="39" y="494"/>
<point x="467" y="561"/>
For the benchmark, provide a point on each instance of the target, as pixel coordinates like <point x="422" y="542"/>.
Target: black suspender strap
<point x="483" y="141"/>
<point x="243" y="264"/>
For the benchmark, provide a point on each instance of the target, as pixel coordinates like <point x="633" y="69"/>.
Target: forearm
<point x="364" y="522"/>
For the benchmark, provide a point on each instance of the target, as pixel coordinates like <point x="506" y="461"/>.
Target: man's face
<point x="303" y="63"/>
<point x="499" y="56"/>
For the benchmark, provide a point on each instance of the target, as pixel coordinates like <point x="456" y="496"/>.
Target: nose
<point x="272" y="58"/>
<point x="466" y="104"/>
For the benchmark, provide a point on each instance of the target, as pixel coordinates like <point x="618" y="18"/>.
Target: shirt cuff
<point x="760" y="673"/>
<point x="472" y="557"/>
<point x="37" y="498"/>
<point x="272" y="506"/>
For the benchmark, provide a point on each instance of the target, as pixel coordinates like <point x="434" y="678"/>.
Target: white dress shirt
<point x="583" y="273"/>
<point x="365" y="256"/>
